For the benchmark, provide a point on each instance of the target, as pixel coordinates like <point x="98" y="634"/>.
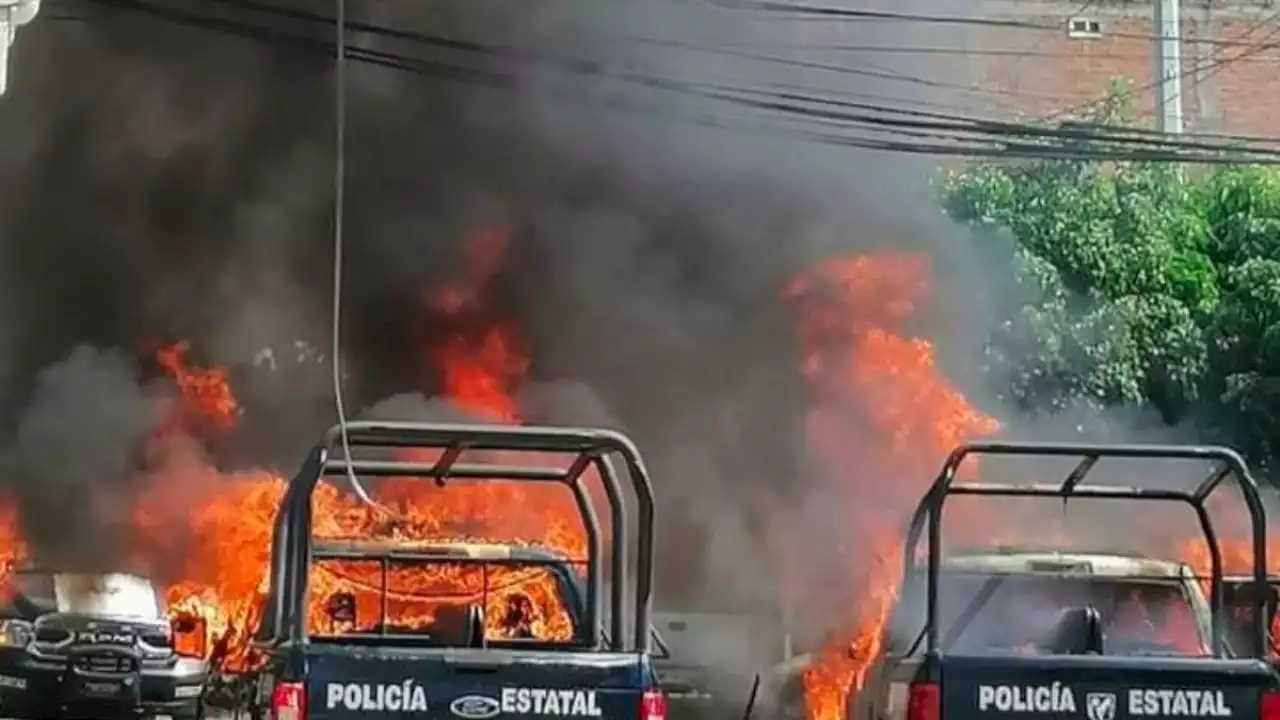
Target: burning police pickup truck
<point x="1021" y="633"/>
<point x="462" y="629"/>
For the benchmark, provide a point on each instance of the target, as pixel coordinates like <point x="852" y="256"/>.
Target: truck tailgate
<point x="1101" y="687"/>
<point x="346" y="682"/>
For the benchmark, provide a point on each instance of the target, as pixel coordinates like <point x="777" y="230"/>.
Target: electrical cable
<point x="717" y="48"/>
<point x="1017" y="62"/>
<point x="264" y="7"/>
<point x="972" y="130"/>
<point x="1216" y="63"/>
<point x="875" y="71"/>
<point x="579" y="66"/>
<point x="1212" y="66"/>
<point x="950" y="121"/>
<point x="796" y="11"/>
<point x="876" y="49"/>
<point x="1012" y="137"/>
<point x="801" y="10"/>
<point x="1004" y="131"/>
<point x="438" y="42"/>
<point x="572" y="65"/>
<point x="298" y="14"/>
<point x="339" y="209"/>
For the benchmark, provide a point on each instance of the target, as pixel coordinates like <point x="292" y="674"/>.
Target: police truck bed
<point x="1007" y="635"/>
<point x="464" y="650"/>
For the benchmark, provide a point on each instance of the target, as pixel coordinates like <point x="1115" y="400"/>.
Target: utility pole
<point x="13" y="14"/>
<point x="1168" y="24"/>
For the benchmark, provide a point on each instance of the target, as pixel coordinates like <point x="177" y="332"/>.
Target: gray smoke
<point x="74" y="463"/>
<point x="163" y="180"/>
<point x="415" y="407"/>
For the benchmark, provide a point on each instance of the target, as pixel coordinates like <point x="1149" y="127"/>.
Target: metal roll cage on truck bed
<point x="928" y="514"/>
<point x="610" y="454"/>
<point x="941" y="682"/>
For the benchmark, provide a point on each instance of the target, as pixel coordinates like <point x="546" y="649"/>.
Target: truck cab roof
<point x="364" y="548"/>
<point x="1028" y="590"/>
<point x="1110" y="565"/>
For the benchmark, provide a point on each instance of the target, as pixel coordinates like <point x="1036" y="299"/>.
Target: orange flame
<point x="880" y="406"/>
<point x="207" y="404"/>
<point x="881" y="409"/>
<point x="482" y="361"/>
<point x="229" y="518"/>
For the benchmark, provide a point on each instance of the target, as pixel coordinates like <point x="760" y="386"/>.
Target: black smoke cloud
<point x="73" y="465"/>
<point x="170" y="181"/>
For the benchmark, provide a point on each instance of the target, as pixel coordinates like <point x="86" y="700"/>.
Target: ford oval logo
<point x="474" y="707"/>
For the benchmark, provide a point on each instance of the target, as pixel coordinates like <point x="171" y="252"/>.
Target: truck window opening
<point x="431" y="602"/>
<point x="1138" y="616"/>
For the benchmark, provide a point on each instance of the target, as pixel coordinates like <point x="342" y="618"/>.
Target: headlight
<point x="15" y="633"/>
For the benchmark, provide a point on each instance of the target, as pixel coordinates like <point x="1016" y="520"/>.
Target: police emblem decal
<point x="1100" y="706"/>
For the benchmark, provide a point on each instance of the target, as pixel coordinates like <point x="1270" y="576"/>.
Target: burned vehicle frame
<point x="927" y="519"/>
<point x="341" y="607"/>
<point x="929" y="674"/>
<point x="1240" y="597"/>
<point x="618" y="658"/>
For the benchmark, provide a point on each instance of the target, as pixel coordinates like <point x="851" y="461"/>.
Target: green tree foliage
<point x="1137" y="286"/>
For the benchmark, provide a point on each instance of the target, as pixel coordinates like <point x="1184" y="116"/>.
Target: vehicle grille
<point x="114" y="664"/>
<point x="52" y="636"/>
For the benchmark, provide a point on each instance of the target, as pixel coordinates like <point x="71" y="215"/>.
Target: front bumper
<point x="32" y="687"/>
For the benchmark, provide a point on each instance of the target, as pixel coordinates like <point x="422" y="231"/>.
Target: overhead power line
<point x="1217" y="63"/>
<point x="1213" y="65"/>
<point x="811" y="117"/>
<point x="259" y="6"/>
<point x="870" y="70"/>
<point x="861" y="14"/>
<point x="807" y="11"/>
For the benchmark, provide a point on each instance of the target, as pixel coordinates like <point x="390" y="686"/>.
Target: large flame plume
<point x="224" y="520"/>
<point x="881" y="419"/>
<point x="881" y="415"/>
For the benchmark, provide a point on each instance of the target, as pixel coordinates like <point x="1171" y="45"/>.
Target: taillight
<point x="1269" y="708"/>
<point x="289" y="701"/>
<point x="925" y="702"/>
<point x="653" y="705"/>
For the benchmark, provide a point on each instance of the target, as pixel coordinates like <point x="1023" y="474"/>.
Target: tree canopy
<point x="1138" y="285"/>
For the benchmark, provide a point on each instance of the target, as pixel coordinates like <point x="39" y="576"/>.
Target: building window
<point x="1079" y="27"/>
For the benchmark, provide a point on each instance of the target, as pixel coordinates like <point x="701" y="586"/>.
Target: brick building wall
<point x="1230" y="60"/>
